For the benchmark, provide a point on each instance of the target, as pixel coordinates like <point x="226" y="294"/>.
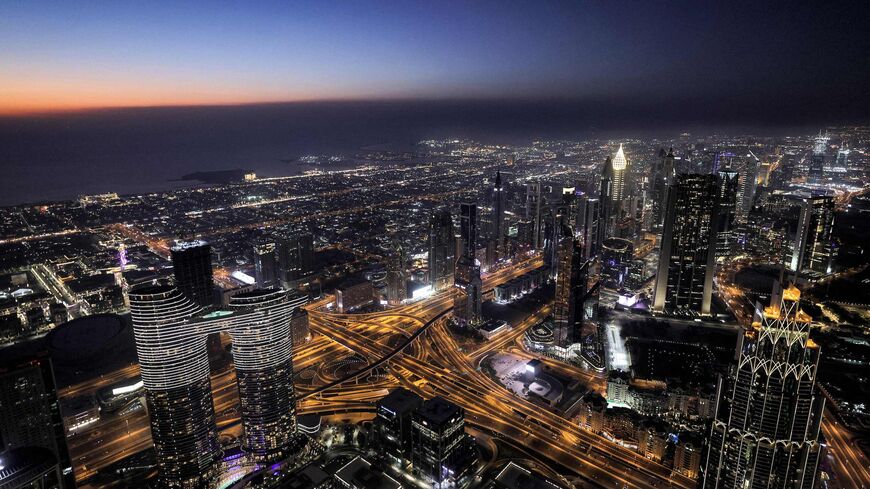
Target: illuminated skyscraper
<point x="684" y="283"/>
<point x="605" y="203"/>
<point x="533" y="212"/>
<point x="442" y="250"/>
<point x="571" y="278"/>
<point x="726" y="234"/>
<point x="191" y="263"/>
<point x="620" y="168"/>
<point x="397" y="287"/>
<point x="586" y="227"/>
<point x="442" y="452"/>
<point x="170" y="332"/>
<point x="469" y="301"/>
<point x="813" y="248"/>
<point x="817" y="159"/>
<point x="265" y="264"/>
<point x="30" y="420"/>
<point x="499" y="196"/>
<point x="662" y="179"/>
<point x="296" y="260"/>
<point x="766" y="431"/>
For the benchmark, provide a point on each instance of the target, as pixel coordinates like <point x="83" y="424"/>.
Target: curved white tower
<point x="620" y="164"/>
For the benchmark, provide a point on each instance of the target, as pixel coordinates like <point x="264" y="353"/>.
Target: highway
<point x="413" y="344"/>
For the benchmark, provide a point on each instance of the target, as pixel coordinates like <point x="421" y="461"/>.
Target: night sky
<point x="788" y="62"/>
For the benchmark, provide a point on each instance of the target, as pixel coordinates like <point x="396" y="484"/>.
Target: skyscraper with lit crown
<point x="620" y="167"/>
<point x="766" y="431"/>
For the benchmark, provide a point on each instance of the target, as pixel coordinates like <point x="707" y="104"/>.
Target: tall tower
<point x="726" y="236"/>
<point x="766" y="431"/>
<point x="265" y="264"/>
<point x="442" y="246"/>
<point x="533" y="212"/>
<point x="170" y="332"/>
<point x="684" y="283"/>
<point x="817" y="159"/>
<point x="469" y="301"/>
<point x="396" y="279"/>
<point x="620" y="168"/>
<point x="178" y="386"/>
<point x="499" y="196"/>
<point x="813" y="247"/>
<point x="191" y="263"/>
<point x="30" y="418"/>
<point x="586" y="227"/>
<point x="295" y="251"/>
<point x="605" y="203"/>
<point x="571" y="277"/>
<point x="662" y="179"/>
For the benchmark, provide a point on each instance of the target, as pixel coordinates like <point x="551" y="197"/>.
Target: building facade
<point x="684" y="283"/>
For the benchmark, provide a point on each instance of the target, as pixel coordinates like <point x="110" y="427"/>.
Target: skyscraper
<point x="586" y="227"/>
<point x="442" y="451"/>
<point x="30" y="415"/>
<point x="571" y="277"/>
<point x="684" y="283"/>
<point x="499" y="196"/>
<point x="469" y="301"/>
<point x="813" y="248"/>
<point x="817" y="159"/>
<point x="662" y="179"/>
<point x="605" y="203"/>
<point x="726" y="235"/>
<point x="620" y="168"/>
<point x="468" y="228"/>
<point x="295" y="250"/>
<point x="533" y="212"/>
<point x="170" y="332"/>
<point x="397" y="288"/>
<point x="442" y="246"/>
<point x="191" y="263"/>
<point x="766" y="431"/>
<point x="265" y="264"/>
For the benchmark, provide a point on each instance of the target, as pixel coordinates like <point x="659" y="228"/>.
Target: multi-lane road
<point x="433" y="365"/>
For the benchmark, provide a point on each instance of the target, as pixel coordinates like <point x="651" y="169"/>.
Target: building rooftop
<point x="358" y="474"/>
<point x="400" y="401"/>
<point x="513" y="476"/>
<point x="438" y="411"/>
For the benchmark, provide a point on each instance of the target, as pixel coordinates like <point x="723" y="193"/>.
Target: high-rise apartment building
<point x="296" y="260"/>
<point x="442" y="451"/>
<point x="726" y="234"/>
<point x="662" y="178"/>
<point x="170" y="332"/>
<point x="533" y="212"/>
<point x="766" y="431"/>
<point x="816" y="172"/>
<point x="442" y="246"/>
<point x="499" y="202"/>
<point x="31" y="425"/>
<point x="265" y="264"/>
<point x="469" y="301"/>
<point x="813" y="248"/>
<point x="571" y="277"/>
<point x="684" y="283"/>
<point x="191" y="264"/>
<point x="391" y="428"/>
<point x="619" y="170"/>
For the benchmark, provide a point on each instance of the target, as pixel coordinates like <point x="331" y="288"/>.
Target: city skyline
<point x="434" y="245"/>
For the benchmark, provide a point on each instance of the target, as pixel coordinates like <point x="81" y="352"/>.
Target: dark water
<point x="59" y="157"/>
